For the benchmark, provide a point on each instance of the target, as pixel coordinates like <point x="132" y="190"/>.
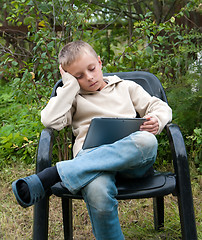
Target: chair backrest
<point x="147" y="80"/>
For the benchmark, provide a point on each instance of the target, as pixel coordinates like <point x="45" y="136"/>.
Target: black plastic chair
<point x="156" y="186"/>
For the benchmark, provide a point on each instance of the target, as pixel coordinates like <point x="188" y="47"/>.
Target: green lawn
<point x="136" y="216"/>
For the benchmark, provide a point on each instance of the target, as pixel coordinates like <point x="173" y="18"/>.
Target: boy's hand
<point x="151" y="125"/>
<point x="68" y="76"/>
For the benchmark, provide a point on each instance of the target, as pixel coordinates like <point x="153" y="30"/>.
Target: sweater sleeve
<point x="58" y="112"/>
<point x="145" y="104"/>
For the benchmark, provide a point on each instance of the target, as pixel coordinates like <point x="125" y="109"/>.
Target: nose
<point x="89" y="76"/>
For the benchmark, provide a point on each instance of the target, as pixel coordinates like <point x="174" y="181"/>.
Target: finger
<point x="147" y="117"/>
<point x="153" y="131"/>
<point x="149" y="126"/>
<point x="150" y="120"/>
<point x="61" y="70"/>
<point x="148" y="123"/>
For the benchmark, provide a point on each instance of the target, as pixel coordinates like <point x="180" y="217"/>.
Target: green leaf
<point x="28" y="20"/>
<point x="8" y="145"/>
<point x="149" y="50"/>
<point x="172" y="19"/>
<point x="159" y="38"/>
<point x="43" y="55"/>
<point x="14" y="63"/>
<point x="6" y="139"/>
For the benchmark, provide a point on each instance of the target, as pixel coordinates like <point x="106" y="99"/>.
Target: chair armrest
<point x="45" y="147"/>
<point x="184" y="191"/>
<point x="179" y="155"/>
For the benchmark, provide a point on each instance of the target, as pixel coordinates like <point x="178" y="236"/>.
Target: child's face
<point x="87" y="69"/>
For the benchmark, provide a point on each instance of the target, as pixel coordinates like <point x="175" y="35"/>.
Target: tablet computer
<point x="109" y="130"/>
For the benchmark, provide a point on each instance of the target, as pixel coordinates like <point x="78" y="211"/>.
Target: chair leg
<point x="41" y="214"/>
<point x="158" y="206"/>
<point x="67" y="218"/>
<point x="187" y="217"/>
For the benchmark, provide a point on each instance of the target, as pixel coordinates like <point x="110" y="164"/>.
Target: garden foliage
<point x="29" y="68"/>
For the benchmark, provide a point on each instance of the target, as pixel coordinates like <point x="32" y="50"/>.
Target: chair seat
<point x="159" y="184"/>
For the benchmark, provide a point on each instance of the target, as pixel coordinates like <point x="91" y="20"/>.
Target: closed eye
<point x="79" y="77"/>
<point x="92" y="69"/>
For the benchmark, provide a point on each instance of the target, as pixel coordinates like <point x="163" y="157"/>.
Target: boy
<point x="86" y="94"/>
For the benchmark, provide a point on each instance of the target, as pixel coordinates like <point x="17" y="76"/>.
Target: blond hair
<point x="73" y="50"/>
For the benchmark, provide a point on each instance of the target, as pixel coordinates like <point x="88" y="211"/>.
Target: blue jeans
<point x="93" y="172"/>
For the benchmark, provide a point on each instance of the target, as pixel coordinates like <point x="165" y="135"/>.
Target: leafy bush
<point x="166" y="49"/>
<point x="19" y="130"/>
<point x="195" y="142"/>
<point x="173" y="54"/>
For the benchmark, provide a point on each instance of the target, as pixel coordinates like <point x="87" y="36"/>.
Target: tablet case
<point x="109" y="130"/>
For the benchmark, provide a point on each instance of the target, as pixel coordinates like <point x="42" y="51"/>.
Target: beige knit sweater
<point x="119" y="98"/>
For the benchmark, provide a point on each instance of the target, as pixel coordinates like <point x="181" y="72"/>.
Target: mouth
<point x="93" y="84"/>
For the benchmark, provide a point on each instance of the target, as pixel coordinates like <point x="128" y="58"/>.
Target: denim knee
<point x="145" y="139"/>
<point x="100" y="193"/>
<point x="146" y="143"/>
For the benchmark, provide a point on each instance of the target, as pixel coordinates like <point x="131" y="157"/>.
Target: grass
<point x="136" y="216"/>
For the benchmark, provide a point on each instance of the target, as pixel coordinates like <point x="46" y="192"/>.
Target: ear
<point x="100" y="62"/>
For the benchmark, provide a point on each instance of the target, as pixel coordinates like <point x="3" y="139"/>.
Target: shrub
<point x="166" y="49"/>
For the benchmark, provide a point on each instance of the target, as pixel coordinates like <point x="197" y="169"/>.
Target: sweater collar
<point x="111" y="82"/>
